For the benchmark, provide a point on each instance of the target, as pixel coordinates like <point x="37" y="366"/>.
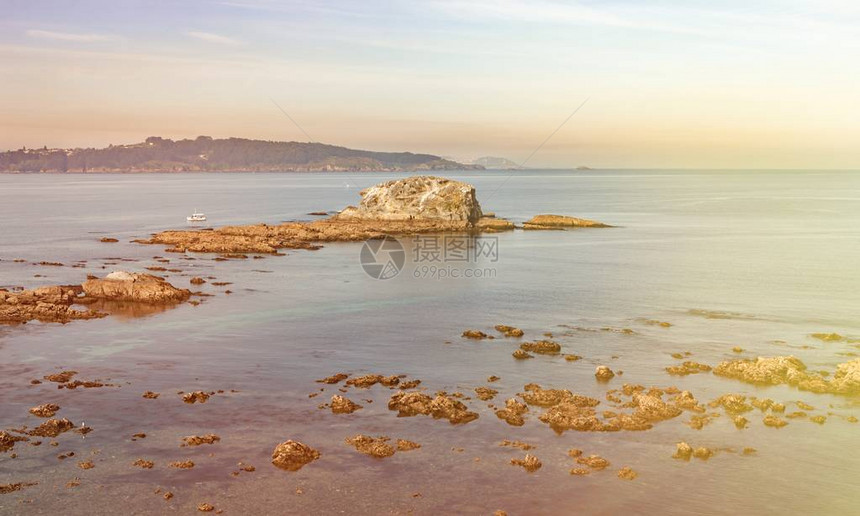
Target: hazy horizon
<point x="671" y="84"/>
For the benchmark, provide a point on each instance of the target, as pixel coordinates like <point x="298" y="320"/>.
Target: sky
<point x="666" y="84"/>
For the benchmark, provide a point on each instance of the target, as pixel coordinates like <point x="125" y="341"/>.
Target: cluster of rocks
<point x="55" y="303"/>
<point x="792" y="371"/>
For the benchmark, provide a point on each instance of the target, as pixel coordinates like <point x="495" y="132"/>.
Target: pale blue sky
<point x="671" y="83"/>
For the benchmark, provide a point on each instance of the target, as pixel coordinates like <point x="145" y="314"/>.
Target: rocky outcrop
<point x="561" y="222"/>
<point x="417" y="198"/>
<point x="142" y="288"/>
<point x="293" y="455"/>
<point x="46" y="304"/>
<point x="792" y="371"/>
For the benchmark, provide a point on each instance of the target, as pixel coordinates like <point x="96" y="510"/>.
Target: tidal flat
<point x="389" y="404"/>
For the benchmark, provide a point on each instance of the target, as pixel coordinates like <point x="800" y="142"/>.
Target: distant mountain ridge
<point x="497" y="163"/>
<point x="205" y="154"/>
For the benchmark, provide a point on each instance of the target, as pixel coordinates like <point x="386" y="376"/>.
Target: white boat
<point x="196" y="217"/>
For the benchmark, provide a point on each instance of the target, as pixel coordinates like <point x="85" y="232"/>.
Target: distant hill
<point x="496" y="163"/>
<point x="231" y="154"/>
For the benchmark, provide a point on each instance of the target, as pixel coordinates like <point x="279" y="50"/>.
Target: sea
<point x="757" y="260"/>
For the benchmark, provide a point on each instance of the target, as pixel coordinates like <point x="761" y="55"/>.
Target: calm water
<point x="780" y="248"/>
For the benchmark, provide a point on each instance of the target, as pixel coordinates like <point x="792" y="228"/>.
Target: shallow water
<point x="780" y="249"/>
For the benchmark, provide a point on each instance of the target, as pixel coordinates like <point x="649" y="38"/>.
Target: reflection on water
<point x="127" y="309"/>
<point x="693" y="249"/>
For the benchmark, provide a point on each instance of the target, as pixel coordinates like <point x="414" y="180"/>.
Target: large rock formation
<point x="417" y="198"/>
<point x="142" y="288"/>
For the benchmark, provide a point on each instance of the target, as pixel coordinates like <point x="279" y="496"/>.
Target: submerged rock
<point x="409" y="404"/>
<point x="342" y="405"/>
<point x="195" y="397"/>
<point x="7" y="441"/>
<point x="561" y="221"/>
<point x="293" y="455"/>
<point x="774" y="421"/>
<point x="627" y="473"/>
<point x="513" y="412"/>
<point x="593" y="462"/>
<point x="530" y="463"/>
<point x="542" y="347"/>
<point x="406" y="445"/>
<point x="46" y="410"/>
<point x="475" y="334"/>
<point x="374" y="446"/>
<point x="197" y="440"/>
<point x="485" y="393"/>
<point x="509" y="331"/>
<point x="791" y="371"/>
<point x="688" y="367"/>
<point x="521" y="355"/>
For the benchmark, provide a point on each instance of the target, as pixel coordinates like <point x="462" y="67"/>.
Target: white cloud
<point x="67" y="36"/>
<point x="213" y="38"/>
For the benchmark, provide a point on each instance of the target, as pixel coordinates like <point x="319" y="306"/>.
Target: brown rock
<point x="627" y="473"/>
<point x="341" y="405"/>
<point x="684" y="451"/>
<point x="475" y="334"/>
<point x="404" y="445"/>
<point x="142" y="463"/>
<point x="774" y="421"/>
<point x="293" y="455"/>
<point x="185" y="464"/>
<point x="485" y="393"/>
<point x="126" y="286"/>
<point x="560" y="221"/>
<point x="521" y="355"/>
<point x="150" y="395"/>
<point x="603" y="373"/>
<point x="509" y="331"/>
<point x="197" y="440"/>
<point x="337" y="378"/>
<point x="195" y="397"/>
<point x="7" y="440"/>
<point x="374" y="446"/>
<point x="197" y="281"/>
<point x="46" y="410"/>
<point x="52" y="428"/>
<point x="542" y="347"/>
<point x="530" y="463"/>
<point x="688" y="367"/>
<point x="593" y="462"/>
